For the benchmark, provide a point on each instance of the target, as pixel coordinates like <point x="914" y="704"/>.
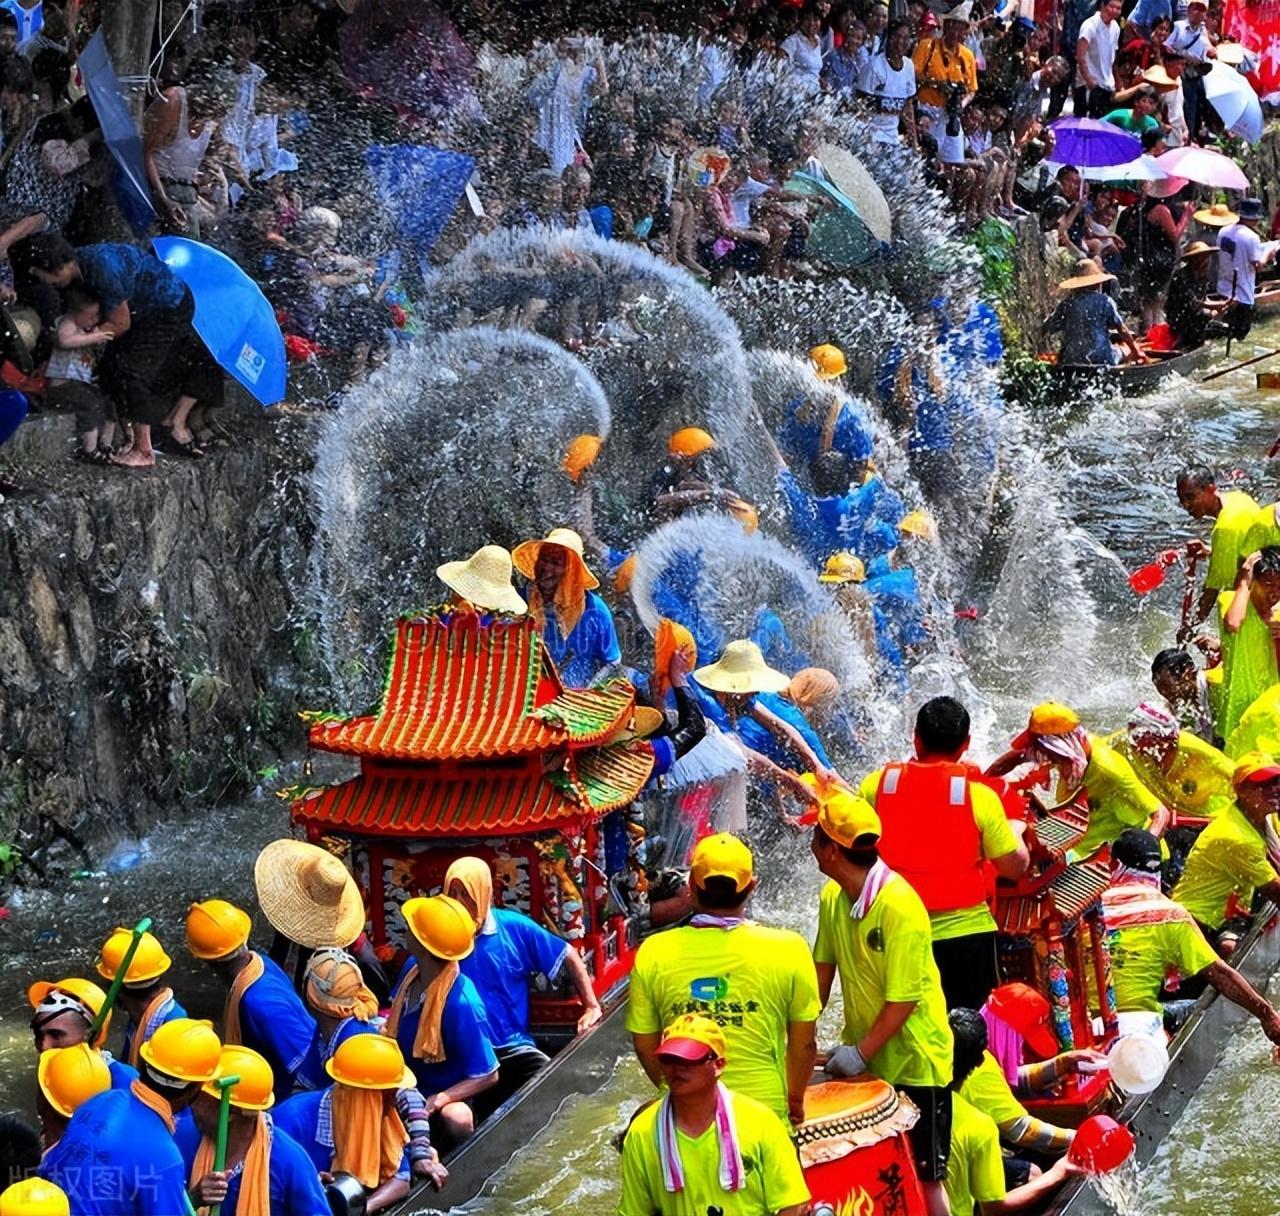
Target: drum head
<point x="19" y="331"/>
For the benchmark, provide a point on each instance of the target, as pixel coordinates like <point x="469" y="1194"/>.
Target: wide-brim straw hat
<point x="484" y="579"/>
<point x="1159" y="79"/>
<point x="525" y="556"/>
<point x="644" y="721"/>
<point x="1088" y="274"/>
<point x="308" y="895"/>
<point x="1198" y="249"/>
<point x="1230" y="53"/>
<point x="741" y="669"/>
<point x="1217" y="216"/>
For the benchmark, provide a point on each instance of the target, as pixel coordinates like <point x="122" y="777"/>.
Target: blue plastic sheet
<point x="13" y="412"/>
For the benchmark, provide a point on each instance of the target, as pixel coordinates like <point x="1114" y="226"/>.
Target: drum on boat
<point x="854" y="1149"/>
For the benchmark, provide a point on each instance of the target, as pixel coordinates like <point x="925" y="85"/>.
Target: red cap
<point x="928" y="21"/>
<point x="1027" y="1011"/>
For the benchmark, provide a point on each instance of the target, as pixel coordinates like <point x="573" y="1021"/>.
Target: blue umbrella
<point x="13" y="410"/>
<point x="839" y="235"/>
<point x="1089" y="143"/>
<point x="233" y="318"/>
<point x="119" y="133"/>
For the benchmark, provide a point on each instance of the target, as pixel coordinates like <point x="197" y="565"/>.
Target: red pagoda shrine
<point x="478" y="748"/>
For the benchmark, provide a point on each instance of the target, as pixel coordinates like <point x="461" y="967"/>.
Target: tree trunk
<point x="128" y="26"/>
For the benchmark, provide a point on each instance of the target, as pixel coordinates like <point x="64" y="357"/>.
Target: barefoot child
<point x="70" y="373"/>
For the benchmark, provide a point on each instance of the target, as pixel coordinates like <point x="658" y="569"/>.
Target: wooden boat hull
<point x="1131" y="379"/>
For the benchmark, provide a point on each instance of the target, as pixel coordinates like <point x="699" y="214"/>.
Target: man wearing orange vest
<point x="940" y="825"/>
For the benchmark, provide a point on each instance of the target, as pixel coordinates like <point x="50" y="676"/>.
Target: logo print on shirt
<point x="709" y="988"/>
<point x="875" y="940"/>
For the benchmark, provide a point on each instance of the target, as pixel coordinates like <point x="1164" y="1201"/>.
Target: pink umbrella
<point x="1203" y="166"/>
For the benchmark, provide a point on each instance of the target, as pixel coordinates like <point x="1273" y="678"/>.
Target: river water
<point x="1088" y="496"/>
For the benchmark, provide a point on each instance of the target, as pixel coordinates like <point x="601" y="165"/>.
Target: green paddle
<point x="121" y="971"/>
<point x="224" y="1117"/>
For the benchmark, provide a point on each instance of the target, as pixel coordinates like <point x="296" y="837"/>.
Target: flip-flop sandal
<point x="97" y="456"/>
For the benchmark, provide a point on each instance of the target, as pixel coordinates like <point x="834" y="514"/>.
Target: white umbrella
<point x="1205" y="166"/>
<point x="850" y="176"/>
<point x="1237" y="104"/>
<point x="1144" y="169"/>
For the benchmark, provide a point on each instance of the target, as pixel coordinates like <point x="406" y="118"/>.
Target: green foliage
<point x="996" y="242"/>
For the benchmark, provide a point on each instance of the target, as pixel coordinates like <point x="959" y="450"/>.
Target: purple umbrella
<point x="1088" y="143"/>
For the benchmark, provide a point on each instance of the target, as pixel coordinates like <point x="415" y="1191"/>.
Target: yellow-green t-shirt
<point x="1228" y="539"/>
<point x="1259" y="727"/>
<point x="1248" y="664"/>
<point x="1141" y="955"/>
<point x="1229" y="856"/>
<point x="1263" y="531"/>
<point x="1198" y="782"/>
<point x="887" y="956"/>
<point x="986" y="1088"/>
<point x="752" y="980"/>
<point x="975" y="1169"/>
<point x="997" y="839"/>
<point x="773" y="1178"/>
<point x="1117" y="799"/>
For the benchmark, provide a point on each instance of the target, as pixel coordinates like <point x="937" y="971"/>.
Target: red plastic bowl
<point x="1101" y="1145"/>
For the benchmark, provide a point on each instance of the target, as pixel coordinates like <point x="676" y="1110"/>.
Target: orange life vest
<point x="929" y="834"/>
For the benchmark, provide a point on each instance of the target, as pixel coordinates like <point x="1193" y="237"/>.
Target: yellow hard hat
<point x="149" y="961"/>
<point x="581" y="455"/>
<point x="846" y="816"/>
<point x="34" y="1197"/>
<point x="843" y="568"/>
<point x="86" y="993"/>
<point x="828" y="361"/>
<point x="216" y="928"/>
<point x="441" y="924"/>
<point x="371" y="1061"/>
<point x="722" y="856"/>
<point x="919" y="523"/>
<point x="690" y="1037"/>
<point x="690" y="441"/>
<point x="69" y="1076"/>
<point x="625" y="575"/>
<point x="253" y="1090"/>
<point x="184" y="1048"/>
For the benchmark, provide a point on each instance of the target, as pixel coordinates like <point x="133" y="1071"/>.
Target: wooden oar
<point x="1235" y="367"/>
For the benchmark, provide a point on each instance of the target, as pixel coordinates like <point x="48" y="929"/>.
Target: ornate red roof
<point x="479" y="802"/>
<point x="459" y="690"/>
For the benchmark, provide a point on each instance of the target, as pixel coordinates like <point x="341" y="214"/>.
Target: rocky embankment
<point x="150" y="655"/>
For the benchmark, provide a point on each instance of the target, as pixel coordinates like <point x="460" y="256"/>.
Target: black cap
<point x="1138" y="850"/>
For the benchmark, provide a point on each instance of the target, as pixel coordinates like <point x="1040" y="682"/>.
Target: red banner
<point x="1257" y="28"/>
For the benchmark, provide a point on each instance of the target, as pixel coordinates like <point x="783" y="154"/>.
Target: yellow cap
<point x="149" y="961"/>
<point x="690" y="441"/>
<point x="1254" y="768"/>
<point x="441" y="924"/>
<point x="1052" y="718"/>
<point x="581" y="455"/>
<point x="690" y="1037"/>
<point x="69" y="1076"/>
<point x="254" y="1089"/>
<point x="625" y="575"/>
<point x="216" y="928"/>
<point x="86" y="992"/>
<point x="845" y="817"/>
<point x="34" y="1197"/>
<point x="843" y="568"/>
<point x="828" y="361"/>
<point x="371" y="1061"/>
<point x="722" y="856"/>
<point x="919" y="523"/>
<point x="184" y="1048"/>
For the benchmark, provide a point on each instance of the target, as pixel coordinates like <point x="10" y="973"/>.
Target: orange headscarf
<point x="669" y="638"/>
<point x="255" y="1179"/>
<point x="428" y="1043"/>
<point x="368" y="1137"/>
<point x="570" y="597"/>
<point x="153" y="1007"/>
<point x="239" y="986"/>
<point x="477" y="880"/>
<point x="812" y="688"/>
<point x="335" y="986"/>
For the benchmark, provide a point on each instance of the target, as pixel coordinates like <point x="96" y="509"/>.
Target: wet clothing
<point x="1086" y="320"/>
<point x="863" y="521"/>
<point x="307" y="1119"/>
<point x="1259" y="727"/>
<point x="464" y="1031"/>
<point x="116" y="273"/>
<point x="122" y="1075"/>
<point x="1229" y="858"/>
<point x="117" y="1158"/>
<point x="1228" y="539"/>
<point x="761" y="739"/>
<point x="1248" y="664"/>
<point x="1117" y="799"/>
<point x="1197" y="784"/>
<point x="591" y="644"/>
<point x="773" y="1179"/>
<point x="1262" y="532"/>
<point x="751" y="979"/>
<point x="276" y="1024"/>
<point x="975" y="1171"/>
<point x="883" y="956"/>
<point x="1140" y="957"/>
<point x="800" y="435"/>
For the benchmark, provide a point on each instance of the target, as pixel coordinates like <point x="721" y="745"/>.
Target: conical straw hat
<point x="741" y="669"/>
<point x="308" y="895"/>
<point x="484" y="579"/>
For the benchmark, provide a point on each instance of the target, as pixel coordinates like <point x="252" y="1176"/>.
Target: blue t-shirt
<point x="500" y="966"/>
<point x="791" y="714"/>
<point x="863" y="521"/>
<point x="307" y="1119"/>
<point x="464" y="1032"/>
<point x="117" y="1158"/>
<point x="295" y="1184"/>
<point x="122" y="1075"/>
<point x="174" y="1011"/>
<point x="1147" y="12"/>
<point x="312" y="1074"/>
<point x="801" y="437"/>
<point x="1086" y="319"/>
<point x="115" y="273"/>
<point x="275" y="1023"/>
<point x="591" y="645"/>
